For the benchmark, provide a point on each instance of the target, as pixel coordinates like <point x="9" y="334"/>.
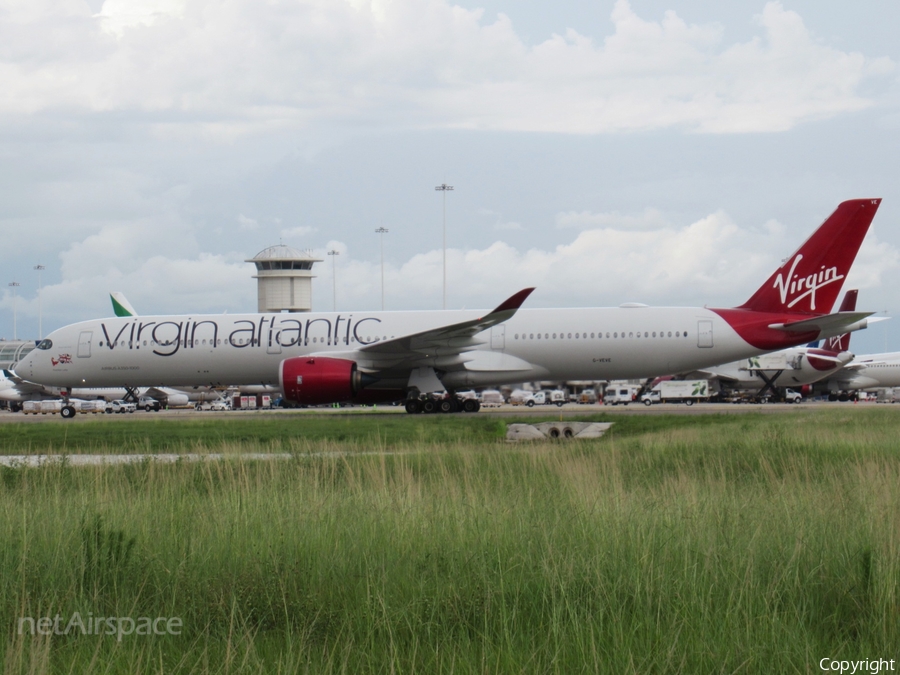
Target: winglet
<point x="513" y="302"/>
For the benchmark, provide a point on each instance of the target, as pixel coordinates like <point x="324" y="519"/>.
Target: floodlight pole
<point x="14" y="285"/>
<point x="40" y="268"/>
<point x="333" y="279"/>
<point x="443" y="188"/>
<point x="382" y="231"/>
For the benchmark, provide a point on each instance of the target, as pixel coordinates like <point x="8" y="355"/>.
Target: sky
<point x="605" y="152"/>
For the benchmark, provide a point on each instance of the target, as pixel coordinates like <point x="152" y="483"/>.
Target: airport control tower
<point x="284" y="277"/>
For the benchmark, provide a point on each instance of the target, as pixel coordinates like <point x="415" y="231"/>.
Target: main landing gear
<point x="448" y="404"/>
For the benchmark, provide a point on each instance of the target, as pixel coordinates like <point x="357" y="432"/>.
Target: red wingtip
<point x="514" y="301"/>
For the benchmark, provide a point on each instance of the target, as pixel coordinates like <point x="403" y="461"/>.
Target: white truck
<point x="531" y="399"/>
<point x="791" y="396"/>
<point x="149" y="403"/>
<point x="491" y="398"/>
<point x="678" y="391"/>
<point x="617" y="393"/>
<point x="120" y="406"/>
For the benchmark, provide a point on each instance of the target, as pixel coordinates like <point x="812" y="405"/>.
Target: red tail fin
<point x="810" y="280"/>
<point x="841" y="343"/>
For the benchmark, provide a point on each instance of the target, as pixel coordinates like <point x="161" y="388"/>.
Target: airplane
<point x="796" y="367"/>
<point x="368" y="357"/>
<point x="867" y="371"/>
<point x="15" y="391"/>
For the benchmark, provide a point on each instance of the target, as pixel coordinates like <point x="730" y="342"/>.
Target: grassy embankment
<point x="699" y="544"/>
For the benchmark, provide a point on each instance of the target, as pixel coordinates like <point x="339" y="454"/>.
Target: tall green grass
<point x="755" y="544"/>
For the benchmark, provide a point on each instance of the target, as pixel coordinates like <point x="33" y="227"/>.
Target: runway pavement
<point x="568" y="410"/>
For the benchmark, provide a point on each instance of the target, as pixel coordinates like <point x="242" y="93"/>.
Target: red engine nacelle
<point x="317" y="380"/>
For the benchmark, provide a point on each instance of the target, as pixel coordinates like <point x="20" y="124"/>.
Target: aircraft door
<point x="84" y="344"/>
<point x="498" y="337"/>
<point x="704" y="333"/>
<point x="274" y="343"/>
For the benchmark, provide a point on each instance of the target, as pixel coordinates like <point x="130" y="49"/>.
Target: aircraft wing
<point x="439" y="347"/>
<point x="23" y="386"/>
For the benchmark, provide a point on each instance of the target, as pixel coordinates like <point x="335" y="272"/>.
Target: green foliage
<point x="746" y="543"/>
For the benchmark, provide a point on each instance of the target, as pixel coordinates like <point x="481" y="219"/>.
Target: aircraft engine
<point x="316" y="380"/>
<point x="806" y="390"/>
<point x="177" y="400"/>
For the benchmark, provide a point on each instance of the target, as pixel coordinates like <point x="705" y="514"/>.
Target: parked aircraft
<point x="868" y="371"/>
<point x="14" y="390"/>
<point x="321" y="358"/>
<point x="794" y="367"/>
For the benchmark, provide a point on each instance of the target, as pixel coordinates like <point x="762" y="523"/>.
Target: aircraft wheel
<point x="67" y="412"/>
<point x="445" y="405"/>
<point x="429" y="406"/>
<point x="413" y="406"/>
<point x="470" y="405"/>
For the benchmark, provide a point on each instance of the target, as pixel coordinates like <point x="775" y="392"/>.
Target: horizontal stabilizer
<point x="827" y="323"/>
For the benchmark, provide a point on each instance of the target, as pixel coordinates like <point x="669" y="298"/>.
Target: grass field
<point x="747" y="543"/>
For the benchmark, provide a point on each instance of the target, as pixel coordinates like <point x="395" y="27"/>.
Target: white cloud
<point x="508" y="226"/>
<point x="649" y="219"/>
<point x="298" y="232"/>
<point x="711" y="261"/>
<point x="247" y="223"/>
<point x="239" y="66"/>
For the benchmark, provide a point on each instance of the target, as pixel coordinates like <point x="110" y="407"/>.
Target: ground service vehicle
<point x="149" y="403"/>
<point x="120" y="406"/>
<point x="620" y="393"/>
<point x="680" y="391"/>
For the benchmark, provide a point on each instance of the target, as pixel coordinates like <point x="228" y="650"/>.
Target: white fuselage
<point x="869" y="371"/>
<point x="785" y="368"/>
<point x="535" y="344"/>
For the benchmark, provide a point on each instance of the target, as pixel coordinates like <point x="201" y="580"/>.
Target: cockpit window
<point x="45" y="344"/>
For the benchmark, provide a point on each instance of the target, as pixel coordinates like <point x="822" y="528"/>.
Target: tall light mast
<point x="333" y="253"/>
<point x="443" y="188"/>
<point x="14" y="285"/>
<point x="40" y="268"/>
<point x="382" y="231"/>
